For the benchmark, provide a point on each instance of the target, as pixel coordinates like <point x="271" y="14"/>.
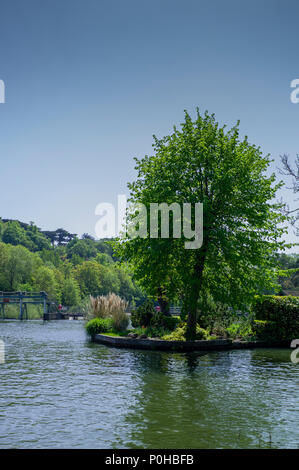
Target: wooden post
<point x="21" y="306"/>
<point x="45" y="307"/>
<point x="3" y="310"/>
<point x="26" y="311"/>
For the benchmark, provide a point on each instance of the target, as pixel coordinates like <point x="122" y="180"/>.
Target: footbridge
<point x="23" y="299"/>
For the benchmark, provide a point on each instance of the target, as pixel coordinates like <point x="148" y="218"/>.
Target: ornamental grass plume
<point x="109" y="306"/>
<point x="98" y="307"/>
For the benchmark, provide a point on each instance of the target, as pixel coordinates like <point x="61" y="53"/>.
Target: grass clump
<point x="106" y="306"/>
<point x="152" y="331"/>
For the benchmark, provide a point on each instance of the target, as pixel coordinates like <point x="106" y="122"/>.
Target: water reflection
<point x="212" y="400"/>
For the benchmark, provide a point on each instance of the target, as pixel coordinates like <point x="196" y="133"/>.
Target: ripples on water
<point x="57" y="390"/>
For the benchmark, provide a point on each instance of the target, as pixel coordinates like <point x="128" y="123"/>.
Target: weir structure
<point x="23" y="299"/>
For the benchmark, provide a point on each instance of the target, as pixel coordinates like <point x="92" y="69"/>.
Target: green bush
<point x="281" y="315"/>
<point x="266" y="330"/>
<point x="240" y="330"/>
<point x="166" y="322"/>
<point x="143" y="315"/>
<point x="147" y="316"/>
<point x="179" y="334"/>
<point x="214" y="315"/>
<point x="274" y="307"/>
<point x="98" y="325"/>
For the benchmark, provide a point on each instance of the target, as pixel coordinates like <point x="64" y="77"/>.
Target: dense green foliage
<point x="241" y="330"/>
<point x="276" y="318"/>
<point x="289" y="283"/>
<point x="264" y="330"/>
<point x="66" y="267"/>
<point x="98" y="325"/>
<point x="143" y="315"/>
<point x="160" y="320"/>
<point x="277" y="308"/>
<point x="146" y="316"/>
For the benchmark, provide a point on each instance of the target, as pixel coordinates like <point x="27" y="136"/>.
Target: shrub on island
<point x="179" y="334"/>
<point x="98" y="325"/>
<point x="276" y="318"/>
<point x="145" y="316"/>
<point x="242" y="330"/>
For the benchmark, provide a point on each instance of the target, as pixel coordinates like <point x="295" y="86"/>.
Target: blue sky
<point x="89" y="81"/>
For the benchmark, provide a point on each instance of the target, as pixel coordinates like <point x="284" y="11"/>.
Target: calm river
<point x="57" y="390"/>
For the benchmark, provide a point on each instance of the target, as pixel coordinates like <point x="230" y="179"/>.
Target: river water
<point x="57" y="390"/>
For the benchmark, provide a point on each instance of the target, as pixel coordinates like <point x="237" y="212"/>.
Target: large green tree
<point x="70" y="292"/>
<point x="203" y="162"/>
<point x="89" y="277"/>
<point x="17" y="264"/>
<point x="13" y="233"/>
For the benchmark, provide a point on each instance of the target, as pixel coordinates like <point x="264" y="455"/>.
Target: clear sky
<point x="89" y="81"/>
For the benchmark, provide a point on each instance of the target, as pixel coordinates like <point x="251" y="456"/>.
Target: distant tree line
<point x="67" y="267"/>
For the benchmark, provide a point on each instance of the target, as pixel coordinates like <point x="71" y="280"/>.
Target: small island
<point x="152" y="330"/>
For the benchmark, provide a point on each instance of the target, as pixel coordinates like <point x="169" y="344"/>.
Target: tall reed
<point x="109" y="306"/>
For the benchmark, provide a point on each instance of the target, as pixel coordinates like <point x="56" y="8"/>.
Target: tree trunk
<point x="193" y="294"/>
<point x="163" y="301"/>
<point x="192" y="310"/>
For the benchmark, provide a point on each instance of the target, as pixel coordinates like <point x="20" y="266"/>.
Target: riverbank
<point x="154" y="344"/>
